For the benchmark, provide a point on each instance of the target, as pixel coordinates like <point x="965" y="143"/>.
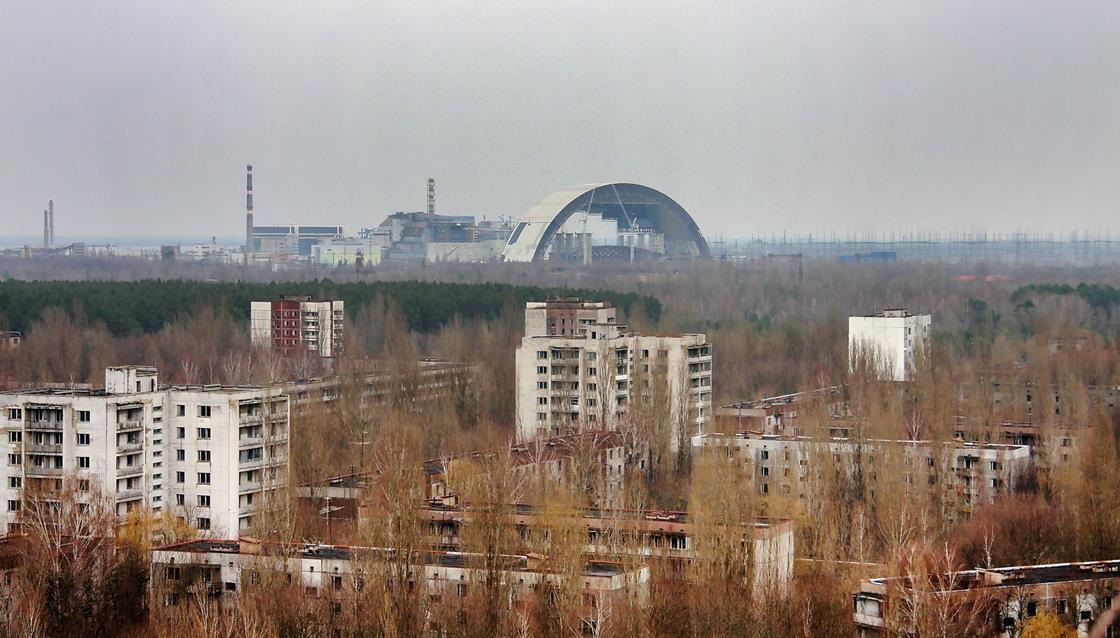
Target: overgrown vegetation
<point x="772" y="332"/>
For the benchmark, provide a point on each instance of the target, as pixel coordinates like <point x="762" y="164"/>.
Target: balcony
<point x="250" y="419"/>
<point x="43" y="448"/>
<point x="249" y="486"/>
<point x="130" y="448"/>
<point x="130" y="495"/>
<point x="44" y="424"/>
<point x="250" y="441"/>
<point x="249" y="464"/>
<point x="867" y="620"/>
<point x="244" y="510"/>
<point x="33" y="471"/>
<point x="130" y="470"/>
<point x="129" y="425"/>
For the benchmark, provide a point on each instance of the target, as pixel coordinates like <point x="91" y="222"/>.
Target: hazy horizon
<point x="137" y="118"/>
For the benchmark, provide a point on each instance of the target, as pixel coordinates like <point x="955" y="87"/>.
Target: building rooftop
<point x="1016" y="576"/>
<point x="633" y="515"/>
<point x="758" y="436"/>
<point x="251" y="547"/>
<point x="893" y="313"/>
<point x="79" y="391"/>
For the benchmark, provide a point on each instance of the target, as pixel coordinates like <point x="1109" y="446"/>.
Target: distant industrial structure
<point x="48" y="226"/>
<point x="280" y="242"/>
<point x="641" y="223"/>
<point x="289" y="323"/>
<point x="617" y="221"/>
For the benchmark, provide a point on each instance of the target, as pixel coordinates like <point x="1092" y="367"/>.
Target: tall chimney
<point x="46" y="230"/>
<point x="50" y="207"/>
<point x="431" y="195"/>
<point x="248" y="212"/>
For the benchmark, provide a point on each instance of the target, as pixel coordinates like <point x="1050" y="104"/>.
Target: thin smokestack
<point x="50" y="207"/>
<point x="46" y="230"/>
<point x="248" y="212"/>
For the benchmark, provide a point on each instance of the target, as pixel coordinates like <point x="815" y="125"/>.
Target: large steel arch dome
<point x="631" y="205"/>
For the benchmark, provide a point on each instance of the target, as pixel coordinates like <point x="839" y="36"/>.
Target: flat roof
<point x="654" y="516"/>
<point x="1026" y="575"/>
<point x="311" y="551"/>
<point x="789" y="438"/>
<point x="101" y="392"/>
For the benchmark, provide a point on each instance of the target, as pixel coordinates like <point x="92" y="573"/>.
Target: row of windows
<point x="84" y="416"/>
<point x="203" y="478"/>
<point x="83" y="438"/>
<point x="42" y="461"/>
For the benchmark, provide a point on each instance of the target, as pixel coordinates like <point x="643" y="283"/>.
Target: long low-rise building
<point x="1003" y="597"/>
<point x="222" y="568"/>
<point x="657" y="534"/>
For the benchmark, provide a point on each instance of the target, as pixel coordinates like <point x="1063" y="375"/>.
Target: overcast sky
<point x="759" y="117"/>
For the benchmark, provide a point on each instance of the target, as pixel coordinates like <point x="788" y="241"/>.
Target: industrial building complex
<point x="614" y="222"/>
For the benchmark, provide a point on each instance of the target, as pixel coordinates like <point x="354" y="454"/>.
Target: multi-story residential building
<point x="971" y="473"/>
<point x="1003" y="597"/>
<point x="211" y="455"/>
<point x="334" y="574"/>
<point x="888" y="342"/>
<point x="297" y="322"/>
<point x="576" y="366"/>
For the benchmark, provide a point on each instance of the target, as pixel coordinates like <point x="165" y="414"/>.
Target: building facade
<point x="888" y="342"/>
<point x="221" y="569"/>
<point x="577" y="367"/>
<point x="651" y="534"/>
<point x="967" y="474"/>
<point x="214" y="456"/>
<point x="289" y="323"/>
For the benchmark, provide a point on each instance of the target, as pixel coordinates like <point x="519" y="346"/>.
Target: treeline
<point x="1098" y="296"/>
<point x="148" y="306"/>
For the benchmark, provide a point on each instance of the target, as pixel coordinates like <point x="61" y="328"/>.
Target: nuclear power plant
<point x="610" y="222"/>
<point x="601" y="222"/>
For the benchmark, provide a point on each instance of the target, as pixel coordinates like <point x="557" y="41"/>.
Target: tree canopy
<point x="146" y="306"/>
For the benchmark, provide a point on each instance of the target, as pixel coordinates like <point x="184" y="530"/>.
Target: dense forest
<point x="147" y="306"/>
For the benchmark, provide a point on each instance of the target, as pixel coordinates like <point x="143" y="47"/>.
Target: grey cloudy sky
<point x="759" y="117"/>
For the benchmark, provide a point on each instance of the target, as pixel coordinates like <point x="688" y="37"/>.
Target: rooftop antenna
<point x="431" y="196"/>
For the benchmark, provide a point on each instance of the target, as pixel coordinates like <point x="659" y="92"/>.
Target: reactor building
<point x="646" y="224"/>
